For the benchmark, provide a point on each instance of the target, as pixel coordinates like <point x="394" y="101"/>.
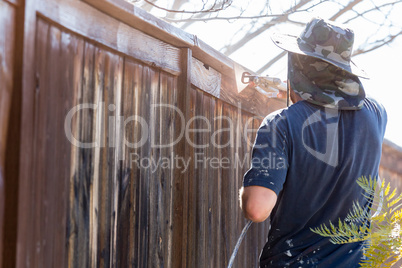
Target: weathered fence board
<point x="74" y="68"/>
<point x="7" y="38"/>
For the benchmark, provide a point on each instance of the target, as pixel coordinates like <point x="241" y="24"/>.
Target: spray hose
<point x="236" y="249"/>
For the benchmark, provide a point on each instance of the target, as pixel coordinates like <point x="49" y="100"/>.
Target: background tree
<point x="245" y="23"/>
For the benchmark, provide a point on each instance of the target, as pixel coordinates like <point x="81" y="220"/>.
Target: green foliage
<point x="382" y="236"/>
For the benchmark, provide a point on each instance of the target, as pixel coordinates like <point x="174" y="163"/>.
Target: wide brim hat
<point x="325" y="40"/>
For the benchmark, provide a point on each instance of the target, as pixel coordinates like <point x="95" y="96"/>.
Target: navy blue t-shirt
<point x="311" y="157"/>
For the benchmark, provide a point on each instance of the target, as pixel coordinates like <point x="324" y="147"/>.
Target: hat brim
<point x="289" y="43"/>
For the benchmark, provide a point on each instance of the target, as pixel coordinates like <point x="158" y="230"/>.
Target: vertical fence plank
<point x="192" y="189"/>
<point x="227" y="178"/>
<point x="99" y="138"/>
<point x="83" y="177"/>
<point x="248" y="247"/>
<point x="7" y="19"/>
<point x="53" y="166"/>
<point x="101" y="196"/>
<point x="237" y="219"/>
<point x="8" y="94"/>
<point x="107" y="71"/>
<point x="75" y="69"/>
<point x="217" y="139"/>
<point x="127" y="175"/>
<point x="40" y="145"/>
<point x="155" y="257"/>
<point x="211" y="209"/>
<point x="145" y="153"/>
<point x="167" y="137"/>
<point x="182" y="221"/>
<point x="116" y="155"/>
<point x="199" y="181"/>
<point x="7" y="59"/>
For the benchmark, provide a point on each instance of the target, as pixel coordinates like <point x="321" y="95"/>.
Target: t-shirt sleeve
<point x="269" y="163"/>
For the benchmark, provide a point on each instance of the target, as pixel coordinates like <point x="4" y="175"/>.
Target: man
<point x="307" y="157"/>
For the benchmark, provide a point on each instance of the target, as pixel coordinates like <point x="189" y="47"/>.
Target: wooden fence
<point x="134" y="140"/>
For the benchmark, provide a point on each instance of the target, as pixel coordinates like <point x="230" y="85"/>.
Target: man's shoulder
<point x="287" y="114"/>
<point x="371" y="102"/>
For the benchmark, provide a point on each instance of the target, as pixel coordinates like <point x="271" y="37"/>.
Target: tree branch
<point x="214" y="8"/>
<point x="377" y="44"/>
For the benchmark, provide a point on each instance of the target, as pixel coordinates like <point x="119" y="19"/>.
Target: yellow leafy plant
<point x="381" y="231"/>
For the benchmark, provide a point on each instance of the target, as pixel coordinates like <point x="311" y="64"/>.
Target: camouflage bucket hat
<point x="325" y="40"/>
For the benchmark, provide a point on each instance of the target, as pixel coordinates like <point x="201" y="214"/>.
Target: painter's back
<point x="310" y="157"/>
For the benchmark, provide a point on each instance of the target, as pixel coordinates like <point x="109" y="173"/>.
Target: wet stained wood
<point x="228" y="222"/>
<point x="216" y="186"/>
<point x="98" y="125"/>
<point x="209" y="106"/>
<point x="53" y="136"/>
<point x="83" y="182"/>
<point x="168" y="88"/>
<point x="13" y="36"/>
<point x="113" y="206"/>
<point x="128" y="206"/>
<point x="200" y="178"/>
<point x="51" y="149"/>
<point x="7" y="58"/>
<point x="192" y="189"/>
<point x="155" y="253"/>
<point x="7" y="16"/>
<point x="39" y="150"/>
<point x="235" y="116"/>
<point x="249" y="247"/>
<point x="181" y="195"/>
<point x="74" y="69"/>
<point x="116" y="137"/>
<point x="107" y="83"/>
<point x="148" y="77"/>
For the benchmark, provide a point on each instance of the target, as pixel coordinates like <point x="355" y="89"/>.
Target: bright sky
<point x="383" y="65"/>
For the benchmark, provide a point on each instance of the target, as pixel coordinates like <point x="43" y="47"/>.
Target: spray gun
<point x="269" y="86"/>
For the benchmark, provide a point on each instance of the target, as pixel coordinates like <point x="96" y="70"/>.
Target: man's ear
<point x="294" y="97"/>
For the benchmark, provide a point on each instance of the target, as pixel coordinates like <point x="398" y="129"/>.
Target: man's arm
<point x="257" y="202"/>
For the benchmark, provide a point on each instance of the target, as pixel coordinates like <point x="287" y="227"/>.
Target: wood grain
<point x="150" y="47"/>
<point x="205" y="77"/>
<point x="127" y="192"/>
<point x="113" y="212"/>
<point x="181" y="196"/>
<point x="145" y="22"/>
<point x="192" y="190"/>
<point x="111" y="33"/>
<point x="73" y="48"/>
<point x="7" y="31"/>
<point x="137" y="18"/>
<point x="7" y="16"/>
